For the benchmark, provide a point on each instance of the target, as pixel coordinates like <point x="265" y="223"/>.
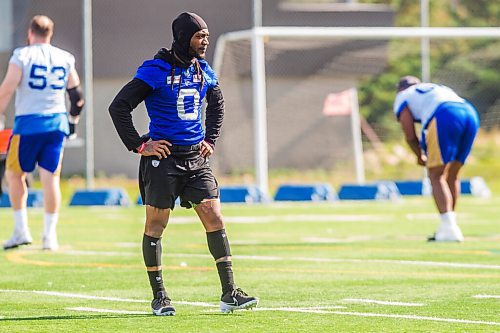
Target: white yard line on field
<point x="351" y="239"/>
<point x="288" y="218"/>
<point x="308" y="309"/>
<point x="487" y="296"/>
<point x="71" y="295"/>
<point x="100" y="298"/>
<point x="383" y="315"/>
<point x="316" y="310"/>
<point x="100" y="253"/>
<point x="290" y="309"/>
<point x="82" y="309"/>
<point x="373" y="301"/>
<point x="325" y="307"/>
<point x="128" y="244"/>
<point x="201" y="304"/>
<point x="385" y="261"/>
<point x="439" y="264"/>
<point x="413" y="317"/>
<point x="310" y="259"/>
<point x="422" y="216"/>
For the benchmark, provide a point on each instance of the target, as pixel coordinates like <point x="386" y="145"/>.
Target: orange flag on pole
<point x="4" y="140"/>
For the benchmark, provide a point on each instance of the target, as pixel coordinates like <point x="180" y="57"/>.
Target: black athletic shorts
<point x="183" y="174"/>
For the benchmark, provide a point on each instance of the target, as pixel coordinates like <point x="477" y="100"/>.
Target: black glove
<point x="72" y="126"/>
<point x="71" y="129"/>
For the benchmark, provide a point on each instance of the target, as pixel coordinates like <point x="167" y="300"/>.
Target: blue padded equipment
<point x="100" y="197"/>
<point x="383" y="190"/>
<point x="305" y="192"/>
<point x="35" y="199"/>
<point x="410" y="187"/>
<point x="241" y="194"/>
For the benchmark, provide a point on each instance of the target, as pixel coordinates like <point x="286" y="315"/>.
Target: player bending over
<point x="449" y="126"/>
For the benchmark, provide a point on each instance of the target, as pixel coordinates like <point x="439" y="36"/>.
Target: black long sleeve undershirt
<point x="137" y="90"/>
<point x="214" y="114"/>
<point x="121" y="109"/>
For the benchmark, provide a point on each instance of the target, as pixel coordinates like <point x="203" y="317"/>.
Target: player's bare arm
<point x="73" y="79"/>
<point x="9" y="85"/>
<point x="408" y="125"/>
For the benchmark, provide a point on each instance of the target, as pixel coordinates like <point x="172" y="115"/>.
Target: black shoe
<point x="431" y="238"/>
<point x="161" y="305"/>
<point x="237" y="299"/>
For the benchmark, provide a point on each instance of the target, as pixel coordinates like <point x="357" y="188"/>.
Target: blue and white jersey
<point x="423" y="100"/>
<point x="174" y="106"/>
<point x="41" y="95"/>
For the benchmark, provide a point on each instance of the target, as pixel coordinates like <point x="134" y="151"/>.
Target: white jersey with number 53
<point x="45" y="76"/>
<point x="423" y="100"/>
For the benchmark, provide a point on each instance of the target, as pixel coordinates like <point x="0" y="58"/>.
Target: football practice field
<point x="337" y="267"/>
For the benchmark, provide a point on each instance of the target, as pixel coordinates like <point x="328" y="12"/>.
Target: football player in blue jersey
<point x="449" y="126"/>
<point x="175" y="152"/>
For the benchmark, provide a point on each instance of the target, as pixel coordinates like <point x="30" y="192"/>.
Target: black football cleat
<point x="237" y="299"/>
<point x="161" y="305"/>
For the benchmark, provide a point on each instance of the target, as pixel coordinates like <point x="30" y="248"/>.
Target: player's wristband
<point x="141" y="148"/>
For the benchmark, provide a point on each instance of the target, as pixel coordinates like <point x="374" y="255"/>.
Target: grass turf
<point x="312" y="265"/>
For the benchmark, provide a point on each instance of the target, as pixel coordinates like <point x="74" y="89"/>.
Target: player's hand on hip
<point x="206" y="149"/>
<point x="156" y="148"/>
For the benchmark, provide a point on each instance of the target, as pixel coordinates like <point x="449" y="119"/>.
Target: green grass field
<point x="339" y="267"/>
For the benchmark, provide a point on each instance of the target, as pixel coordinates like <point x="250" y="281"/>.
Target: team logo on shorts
<point x="155" y="163"/>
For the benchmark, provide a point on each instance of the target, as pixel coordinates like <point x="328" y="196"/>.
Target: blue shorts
<point x="450" y="134"/>
<point x="25" y="151"/>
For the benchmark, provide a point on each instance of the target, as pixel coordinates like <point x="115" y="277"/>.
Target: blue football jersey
<point x="174" y="106"/>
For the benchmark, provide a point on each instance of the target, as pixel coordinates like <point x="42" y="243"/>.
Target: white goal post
<point x="257" y="35"/>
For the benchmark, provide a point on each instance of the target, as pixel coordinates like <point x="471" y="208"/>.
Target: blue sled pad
<point x="139" y="201"/>
<point x="410" y="187"/>
<point x="305" y="192"/>
<point x="377" y="191"/>
<point x="35" y="199"/>
<point x="465" y="186"/>
<point x="475" y="186"/>
<point x="247" y="194"/>
<point x="101" y="197"/>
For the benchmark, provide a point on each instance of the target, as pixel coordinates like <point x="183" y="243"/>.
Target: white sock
<point x="448" y="219"/>
<point x="21" y="221"/>
<point x="50" y="223"/>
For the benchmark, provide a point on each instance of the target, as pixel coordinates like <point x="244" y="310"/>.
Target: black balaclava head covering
<point x="183" y="28"/>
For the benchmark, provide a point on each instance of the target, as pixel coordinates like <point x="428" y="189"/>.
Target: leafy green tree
<point x="468" y="65"/>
